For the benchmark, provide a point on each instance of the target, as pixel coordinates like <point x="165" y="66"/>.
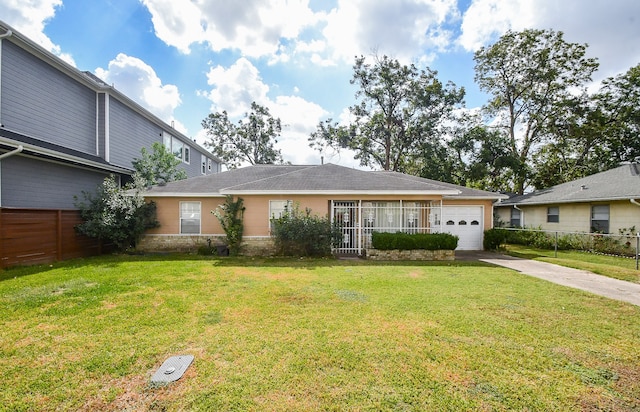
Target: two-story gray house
<point x="63" y="130"/>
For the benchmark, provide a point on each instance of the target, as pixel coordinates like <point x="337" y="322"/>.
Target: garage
<point x="466" y="223"/>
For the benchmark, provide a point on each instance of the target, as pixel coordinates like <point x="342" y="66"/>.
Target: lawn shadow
<point x="114" y="260"/>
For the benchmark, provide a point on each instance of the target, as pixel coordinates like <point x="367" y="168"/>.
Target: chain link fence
<point x="623" y="244"/>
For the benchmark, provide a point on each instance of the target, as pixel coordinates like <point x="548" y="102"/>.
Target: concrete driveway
<point x="574" y="278"/>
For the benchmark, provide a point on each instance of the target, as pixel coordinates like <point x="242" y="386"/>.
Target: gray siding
<point x="32" y="183"/>
<point x="128" y="133"/>
<point x="42" y="102"/>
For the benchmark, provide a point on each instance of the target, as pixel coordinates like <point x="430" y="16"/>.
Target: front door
<point x="345" y="215"/>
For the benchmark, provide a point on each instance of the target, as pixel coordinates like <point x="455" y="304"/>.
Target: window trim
<point x="181" y="218"/>
<point x="511" y="217"/>
<point x="592" y="228"/>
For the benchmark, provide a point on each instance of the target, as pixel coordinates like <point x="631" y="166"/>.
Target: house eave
<point x="311" y="192"/>
<point x="66" y="158"/>
<point x="558" y="202"/>
<point x="178" y="194"/>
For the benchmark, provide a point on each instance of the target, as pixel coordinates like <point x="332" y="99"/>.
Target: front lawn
<point x="310" y="335"/>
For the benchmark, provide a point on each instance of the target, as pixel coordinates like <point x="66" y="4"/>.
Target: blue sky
<point x="184" y="59"/>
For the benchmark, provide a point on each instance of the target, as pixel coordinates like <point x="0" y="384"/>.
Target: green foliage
<point x="299" y="233"/>
<point x="230" y="215"/>
<point x="115" y="214"/>
<point x="400" y="111"/>
<point x="251" y="140"/>
<point x="158" y="167"/>
<point x="530" y="76"/>
<point x="410" y="241"/>
<point x="494" y="238"/>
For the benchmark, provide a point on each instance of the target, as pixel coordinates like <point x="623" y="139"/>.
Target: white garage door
<point x="466" y="223"/>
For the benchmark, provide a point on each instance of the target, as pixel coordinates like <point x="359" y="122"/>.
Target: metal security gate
<point x="358" y="220"/>
<point x="345" y="214"/>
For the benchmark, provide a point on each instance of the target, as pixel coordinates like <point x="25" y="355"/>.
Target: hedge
<point x="410" y="241"/>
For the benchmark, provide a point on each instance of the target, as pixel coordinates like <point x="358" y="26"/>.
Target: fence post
<point x="637" y="248"/>
<point x="555" y="253"/>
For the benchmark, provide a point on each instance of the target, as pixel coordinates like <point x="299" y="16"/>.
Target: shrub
<point x="230" y="215"/>
<point x="409" y="241"/>
<point x="304" y="234"/>
<point x="493" y="238"/>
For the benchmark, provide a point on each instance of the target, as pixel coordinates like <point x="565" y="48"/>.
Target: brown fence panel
<point x="36" y="236"/>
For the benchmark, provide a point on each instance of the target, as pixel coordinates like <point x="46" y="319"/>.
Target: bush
<point x="304" y="234"/>
<point x="493" y="238"/>
<point x="409" y="241"/>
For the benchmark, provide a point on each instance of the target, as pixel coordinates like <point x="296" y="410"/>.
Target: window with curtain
<point x="190" y="217"/>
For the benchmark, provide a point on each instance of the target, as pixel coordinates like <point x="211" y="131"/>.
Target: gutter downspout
<point x="635" y="202"/>
<point x="4" y="156"/>
<point x="521" y="215"/>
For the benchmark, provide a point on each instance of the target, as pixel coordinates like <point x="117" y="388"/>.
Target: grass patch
<point x="276" y="334"/>
<point x="612" y="266"/>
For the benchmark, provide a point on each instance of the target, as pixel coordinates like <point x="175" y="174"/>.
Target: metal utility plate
<point x="172" y="369"/>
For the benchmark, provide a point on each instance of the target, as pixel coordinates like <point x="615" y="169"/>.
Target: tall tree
<point x="399" y="109"/>
<point x="158" y="166"/>
<point x="251" y="140"/>
<point x="530" y="75"/>
<point x="619" y="100"/>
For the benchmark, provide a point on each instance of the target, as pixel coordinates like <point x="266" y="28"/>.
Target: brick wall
<point x="251" y="246"/>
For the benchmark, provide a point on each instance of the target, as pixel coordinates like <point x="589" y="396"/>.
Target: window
<point x="203" y="159"/>
<point x="553" y="214"/>
<point x="515" y="218"/>
<point x="175" y="146"/>
<point x="209" y="164"/>
<point x="187" y="154"/>
<point x="600" y="218"/>
<point x="278" y="207"/>
<point x="190" y="217"/>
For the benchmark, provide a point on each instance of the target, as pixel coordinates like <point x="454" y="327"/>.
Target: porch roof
<point x="327" y="179"/>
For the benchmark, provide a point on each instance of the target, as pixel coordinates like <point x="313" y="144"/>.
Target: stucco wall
<point x="256" y="216"/>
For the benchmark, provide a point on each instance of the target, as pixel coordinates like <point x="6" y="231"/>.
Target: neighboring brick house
<point x="606" y="202"/>
<point x="73" y="128"/>
<point x="362" y="202"/>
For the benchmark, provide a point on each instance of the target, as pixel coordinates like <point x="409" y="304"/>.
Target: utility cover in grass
<point x="172" y="369"/>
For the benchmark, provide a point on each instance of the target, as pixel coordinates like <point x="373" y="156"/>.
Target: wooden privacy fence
<point x="36" y="236"/>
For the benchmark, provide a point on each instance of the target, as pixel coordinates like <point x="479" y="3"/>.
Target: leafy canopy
<point x="251" y="140"/>
<point x="115" y="214"/>
<point x="531" y="76"/>
<point x="398" y="114"/>
<point x="158" y="166"/>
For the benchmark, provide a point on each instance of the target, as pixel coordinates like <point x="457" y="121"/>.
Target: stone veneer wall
<point x="416" y="254"/>
<point x="259" y="246"/>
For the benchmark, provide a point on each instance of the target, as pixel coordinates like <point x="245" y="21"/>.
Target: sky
<point x="184" y="59"/>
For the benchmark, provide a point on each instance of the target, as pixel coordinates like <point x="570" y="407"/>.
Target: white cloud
<point x="401" y="29"/>
<point x="176" y="22"/>
<point x="255" y="27"/>
<point x="139" y="81"/>
<point x="234" y="89"/>
<point x="30" y="17"/>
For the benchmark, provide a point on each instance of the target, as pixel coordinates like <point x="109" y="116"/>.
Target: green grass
<point x="622" y="268"/>
<point x="290" y="335"/>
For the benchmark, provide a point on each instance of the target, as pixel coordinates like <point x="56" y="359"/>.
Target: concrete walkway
<point x="575" y="278"/>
